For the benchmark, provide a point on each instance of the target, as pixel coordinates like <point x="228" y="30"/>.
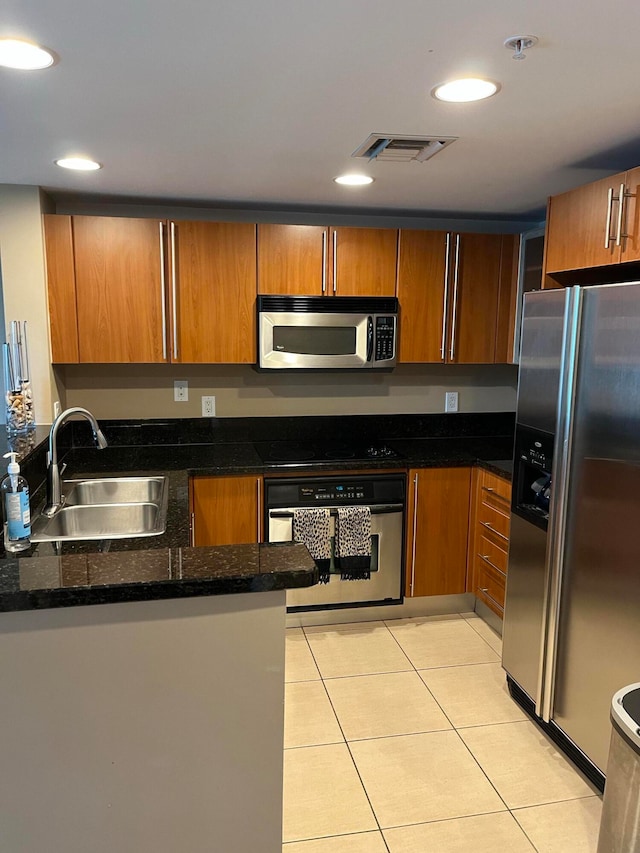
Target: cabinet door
<point x="438" y="531"/>
<point x="61" y="289"/>
<point x="213" y="292"/>
<point x="119" y="289"/>
<point x="576" y="227"/>
<point x="631" y="220"/>
<point x="477" y="260"/>
<point x="226" y="510"/>
<point x="293" y="259"/>
<point x="423" y="288"/>
<point x="507" y="299"/>
<point x="364" y="261"/>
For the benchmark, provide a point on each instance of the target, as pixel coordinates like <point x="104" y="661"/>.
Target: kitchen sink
<point x="114" y="490"/>
<point x="106" y="508"/>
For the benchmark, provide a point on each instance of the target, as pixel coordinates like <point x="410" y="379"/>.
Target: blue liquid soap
<point x="17" y="511"/>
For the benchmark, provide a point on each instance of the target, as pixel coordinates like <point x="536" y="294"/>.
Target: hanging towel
<point x="312" y="527"/>
<point x="353" y="542"/>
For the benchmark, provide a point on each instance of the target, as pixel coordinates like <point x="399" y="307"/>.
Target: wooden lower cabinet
<point x="489" y="538"/>
<point x="438" y="527"/>
<point x="226" y="510"/>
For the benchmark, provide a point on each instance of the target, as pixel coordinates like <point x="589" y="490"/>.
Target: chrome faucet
<point x="54" y="492"/>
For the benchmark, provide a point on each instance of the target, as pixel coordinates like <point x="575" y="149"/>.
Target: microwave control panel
<point x="385" y="338"/>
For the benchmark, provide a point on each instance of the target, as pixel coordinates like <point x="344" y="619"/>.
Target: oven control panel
<point x="334" y="493"/>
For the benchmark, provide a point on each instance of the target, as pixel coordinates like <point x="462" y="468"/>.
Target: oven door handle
<point x="375" y="510"/>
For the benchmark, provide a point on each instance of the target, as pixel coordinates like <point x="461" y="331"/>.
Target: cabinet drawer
<point x="496" y="522"/>
<point x="495" y="491"/>
<point x="490" y="586"/>
<point x="492" y="554"/>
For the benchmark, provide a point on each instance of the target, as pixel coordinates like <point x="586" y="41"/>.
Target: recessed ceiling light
<point x="465" y="89"/>
<point x="353" y="180"/>
<point x="81" y="164"/>
<point x="15" y="53"/>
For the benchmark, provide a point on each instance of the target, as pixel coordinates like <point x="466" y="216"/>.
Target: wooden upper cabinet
<point x="61" y="289"/>
<point x="363" y="261"/>
<point x="630" y="244"/>
<point x="577" y="227"/>
<point x="457" y="296"/>
<point x="213" y="291"/>
<point x="293" y="259"/>
<point x="422" y="293"/>
<point x="225" y="510"/>
<point x="119" y="289"/>
<point x="438" y="529"/>
<point x="477" y="272"/>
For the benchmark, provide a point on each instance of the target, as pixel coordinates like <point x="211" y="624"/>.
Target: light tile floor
<point x="401" y="737"/>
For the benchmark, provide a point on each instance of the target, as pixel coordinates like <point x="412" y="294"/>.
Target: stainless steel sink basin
<point x="113" y="490"/>
<point x="106" y="508"/>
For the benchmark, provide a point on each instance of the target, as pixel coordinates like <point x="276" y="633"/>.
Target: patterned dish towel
<point x="312" y="527"/>
<point x="353" y="542"/>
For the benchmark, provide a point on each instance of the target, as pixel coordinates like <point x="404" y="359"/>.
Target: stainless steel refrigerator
<point x="571" y="634"/>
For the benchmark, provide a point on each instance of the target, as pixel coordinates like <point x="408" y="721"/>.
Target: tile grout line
<point x="355" y="766"/>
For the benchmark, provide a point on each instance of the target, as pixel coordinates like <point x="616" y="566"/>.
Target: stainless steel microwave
<point x="327" y="332"/>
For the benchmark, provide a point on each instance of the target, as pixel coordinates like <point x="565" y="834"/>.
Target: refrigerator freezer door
<point x="523" y="622"/>
<point x="598" y="640"/>
<point x="543" y="328"/>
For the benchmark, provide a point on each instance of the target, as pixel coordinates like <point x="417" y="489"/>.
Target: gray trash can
<point x="620" y="825"/>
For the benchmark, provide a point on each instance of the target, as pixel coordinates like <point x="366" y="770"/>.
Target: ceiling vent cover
<point x="399" y="148"/>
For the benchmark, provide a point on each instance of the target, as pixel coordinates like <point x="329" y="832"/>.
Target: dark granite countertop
<point x="144" y="568"/>
<point x="69" y="580"/>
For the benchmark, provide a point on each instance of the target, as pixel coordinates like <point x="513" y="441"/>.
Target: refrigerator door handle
<point x="558" y="508"/>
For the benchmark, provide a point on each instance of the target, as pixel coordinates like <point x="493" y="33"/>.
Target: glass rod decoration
<point x="20" y="414"/>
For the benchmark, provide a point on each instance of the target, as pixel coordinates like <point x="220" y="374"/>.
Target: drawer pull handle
<point x="493" y="530"/>
<point x="485" y="591"/>
<point x="493" y="565"/>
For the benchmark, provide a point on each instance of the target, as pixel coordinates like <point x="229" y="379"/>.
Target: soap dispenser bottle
<point x="15" y="502"/>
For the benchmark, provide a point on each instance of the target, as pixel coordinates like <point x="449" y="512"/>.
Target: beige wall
<point x="127" y="391"/>
<point x="24" y="284"/>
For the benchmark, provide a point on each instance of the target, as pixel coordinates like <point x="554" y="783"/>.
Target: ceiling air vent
<point x="399" y="148"/>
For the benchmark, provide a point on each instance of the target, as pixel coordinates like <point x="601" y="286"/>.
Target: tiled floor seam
<point x="366" y="793"/>
<point x="522" y="829"/>
<point x="339" y="835"/>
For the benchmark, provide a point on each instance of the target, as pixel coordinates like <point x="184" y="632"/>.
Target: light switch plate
<point x="181" y="390"/>
<point x="451" y="401"/>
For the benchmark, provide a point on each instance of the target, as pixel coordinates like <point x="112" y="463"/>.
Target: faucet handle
<point x="63" y="468"/>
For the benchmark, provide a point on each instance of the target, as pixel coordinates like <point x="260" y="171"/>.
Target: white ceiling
<point x="262" y="101"/>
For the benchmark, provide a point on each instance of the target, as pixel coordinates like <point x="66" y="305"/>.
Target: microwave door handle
<point x="369" y="338"/>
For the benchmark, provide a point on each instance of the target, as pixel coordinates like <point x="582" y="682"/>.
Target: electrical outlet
<point x="181" y="390"/>
<point x="208" y="407"/>
<point x="57" y="408"/>
<point x="451" y="401"/>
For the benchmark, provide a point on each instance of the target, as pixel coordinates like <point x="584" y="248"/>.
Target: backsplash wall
<point x="146" y="391"/>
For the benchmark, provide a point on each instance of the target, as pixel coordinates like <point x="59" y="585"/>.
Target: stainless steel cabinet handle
<point x="447" y="257"/>
<point x="493" y="530"/>
<point x="456" y="272"/>
<point x="607" y="227"/>
<point x="485" y="557"/>
<point x="163" y="295"/>
<point x="624" y="195"/>
<point x="172" y="230"/>
<point x="415" y="530"/>
<point x="489" y="596"/>
<point x="193" y="530"/>
<point x="335" y="262"/>
<point x="324" y="261"/>
<point x="488" y="489"/>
